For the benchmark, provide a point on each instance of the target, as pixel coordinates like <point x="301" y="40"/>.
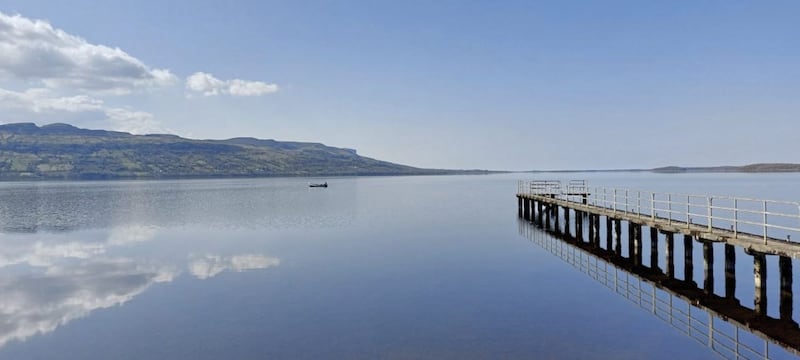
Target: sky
<point x="501" y="85"/>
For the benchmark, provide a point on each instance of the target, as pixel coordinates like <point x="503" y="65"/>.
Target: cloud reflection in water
<point x="210" y="265"/>
<point x="47" y="282"/>
<point x="39" y="303"/>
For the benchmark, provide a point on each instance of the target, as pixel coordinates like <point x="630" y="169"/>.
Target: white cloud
<point x="209" y="85"/>
<point x="42" y="100"/>
<point x="134" y="122"/>
<point x="35" y="50"/>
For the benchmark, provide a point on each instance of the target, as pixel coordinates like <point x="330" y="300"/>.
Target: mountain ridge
<point x="63" y="151"/>
<point x="749" y="168"/>
<point x="672" y="169"/>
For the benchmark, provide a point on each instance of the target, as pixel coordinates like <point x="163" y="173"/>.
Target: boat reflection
<point x="721" y="323"/>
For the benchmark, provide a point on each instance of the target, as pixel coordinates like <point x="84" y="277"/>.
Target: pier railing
<point x="766" y="218"/>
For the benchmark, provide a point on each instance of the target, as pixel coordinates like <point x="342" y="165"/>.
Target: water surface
<point x="382" y="267"/>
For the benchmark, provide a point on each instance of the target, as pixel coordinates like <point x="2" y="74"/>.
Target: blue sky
<point x="446" y="84"/>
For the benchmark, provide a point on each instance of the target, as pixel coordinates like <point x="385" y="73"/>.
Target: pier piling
<point x="669" y="239"/>
<point x="730" y="271"/>
<point x="760" y="277"/>
<point x="653" y="248"/>
<point x="688" y="266"/>
<point x="786" y="306"/>
<point x="708" y="267"/>
<point x="618" y="237"/>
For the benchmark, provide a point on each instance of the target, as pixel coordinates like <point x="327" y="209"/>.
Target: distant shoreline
<point x="751" y="168"/>
<point x="234" y="177"/>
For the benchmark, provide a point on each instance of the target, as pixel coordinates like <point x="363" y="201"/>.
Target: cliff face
<point x="62" y="151"/>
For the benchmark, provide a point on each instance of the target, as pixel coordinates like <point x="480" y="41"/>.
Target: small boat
<point x="323" y="185"/>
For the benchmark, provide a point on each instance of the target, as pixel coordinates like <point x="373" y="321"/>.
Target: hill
<point x="62" y="151"/>
<point x="751" y="168"/>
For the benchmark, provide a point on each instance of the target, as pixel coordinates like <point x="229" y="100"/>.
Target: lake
<point x="436" y="267"/>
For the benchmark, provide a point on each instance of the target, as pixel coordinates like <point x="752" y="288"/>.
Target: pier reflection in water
<point x="728" y="328"/>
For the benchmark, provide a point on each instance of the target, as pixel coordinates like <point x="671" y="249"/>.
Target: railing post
<point x="765" y="221"/>
<point x="626" y="201"/>
<point x="615" y="201"/>
<point x="669" y="208"/>
<point x="735" y="218"/>
<point x="638" y="203"/>
<point x="653" y="206"/>
<point x="710" y="212"/>
<point x="688" y="210"/>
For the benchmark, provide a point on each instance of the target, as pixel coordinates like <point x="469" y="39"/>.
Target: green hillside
<point x="61" y="151"/>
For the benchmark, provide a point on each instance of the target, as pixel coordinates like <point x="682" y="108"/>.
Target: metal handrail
<point x="760" y="217"/>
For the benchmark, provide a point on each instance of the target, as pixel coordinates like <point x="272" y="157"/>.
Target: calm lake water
<point x="381" y="267"/>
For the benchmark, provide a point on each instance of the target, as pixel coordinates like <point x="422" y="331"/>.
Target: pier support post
<point x="708" y="267"/>
<point x="566" y="221"/>
<point x="556" y="218"/>
<point x="786" y="307"/>
<point x="579" y="225"/>
<point x="730" y="271"/>
<point x="760" y="277"/>
<point x="597" y="231"/>
<point x="635" y="243"/>
<point x="590" y="219"/>
<point x="653" y="248"/>
<point x="618" y="237"/>
<point x="631" y="244"/>
<point x="540" y="212"/>
<point x="547" y="217"/>
<point x="688" y="266"/>
<point x="525" y="208"/>
<point x="669" y="239"/>
<point x="609" y="239"/>
<point x="637" y="231"/>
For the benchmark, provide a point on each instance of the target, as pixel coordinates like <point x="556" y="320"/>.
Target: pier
<point x="603" y="222"/>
